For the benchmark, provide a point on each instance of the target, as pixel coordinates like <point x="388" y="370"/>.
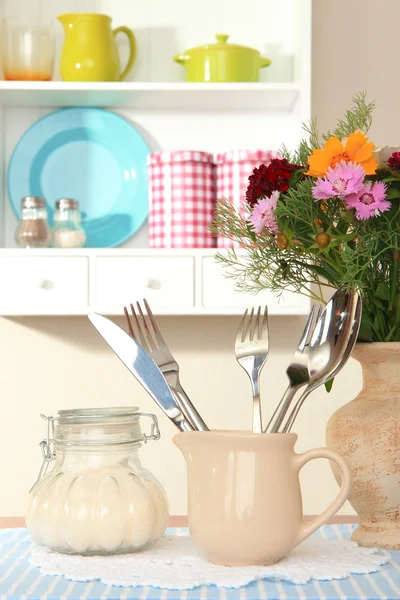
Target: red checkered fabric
<point x="233" y="171"/>
<point x="182" y="199"/>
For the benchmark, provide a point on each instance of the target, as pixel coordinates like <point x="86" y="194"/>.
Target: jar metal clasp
<point x="154" y="431"/>
<point x="47" y="447"/>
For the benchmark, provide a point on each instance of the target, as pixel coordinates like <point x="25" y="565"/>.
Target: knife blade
<point x="142" y="366"/>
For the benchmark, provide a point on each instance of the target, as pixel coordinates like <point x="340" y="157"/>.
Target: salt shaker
<point x="67" y="229"/>
<point x="33" y="230"/>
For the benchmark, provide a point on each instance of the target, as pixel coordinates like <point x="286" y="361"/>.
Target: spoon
<point x="297" y="373"/>
<point x="332" y="343"/>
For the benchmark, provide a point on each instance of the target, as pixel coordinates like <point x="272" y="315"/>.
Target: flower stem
<point x="395" y="277"/>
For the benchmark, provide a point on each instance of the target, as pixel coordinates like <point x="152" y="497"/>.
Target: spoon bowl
<point x="332" y="342"/>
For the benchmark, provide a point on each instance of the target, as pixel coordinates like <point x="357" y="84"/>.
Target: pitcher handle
<point x="307" y="529"/>
<point x="132" y="49"/>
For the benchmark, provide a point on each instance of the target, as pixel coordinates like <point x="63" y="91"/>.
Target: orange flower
<point x="356" y="148"/>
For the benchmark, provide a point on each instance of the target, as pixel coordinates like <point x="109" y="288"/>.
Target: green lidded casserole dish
<point x="222" y="62"/>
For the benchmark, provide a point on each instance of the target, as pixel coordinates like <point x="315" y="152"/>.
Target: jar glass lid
<point x="97" y="415"/>
<point x="98" y="426"/>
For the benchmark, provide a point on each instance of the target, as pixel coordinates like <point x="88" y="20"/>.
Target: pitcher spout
<point x="65" y="19"/>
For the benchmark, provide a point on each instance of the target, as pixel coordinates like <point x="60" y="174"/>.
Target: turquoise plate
<point x="91" y="155"/>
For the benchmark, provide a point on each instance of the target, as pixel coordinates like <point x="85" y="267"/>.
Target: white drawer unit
<point x="166" y="282"/>
<point x="43" y="285"/>
<point x="219" y="293"/>
<point x="175" y="282"/>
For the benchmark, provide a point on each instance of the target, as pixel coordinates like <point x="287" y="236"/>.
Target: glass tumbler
<point x="28" y="50"/>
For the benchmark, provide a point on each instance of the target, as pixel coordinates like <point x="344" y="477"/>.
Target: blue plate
<point x="91" y="155"/>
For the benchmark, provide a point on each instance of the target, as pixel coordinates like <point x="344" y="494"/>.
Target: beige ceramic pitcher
<point x="244" y="495"/>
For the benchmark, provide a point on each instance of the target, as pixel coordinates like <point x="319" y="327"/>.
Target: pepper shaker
<point x="33" y="230"/>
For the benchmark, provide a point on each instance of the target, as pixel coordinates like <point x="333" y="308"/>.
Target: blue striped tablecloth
<point x="20" y="581"/>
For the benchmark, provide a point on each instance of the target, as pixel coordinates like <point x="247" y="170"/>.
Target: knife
<point x="142" y="366"/>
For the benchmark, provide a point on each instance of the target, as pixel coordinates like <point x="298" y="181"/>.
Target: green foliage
<point x="359" y="117"/>
<point x="358" y="254"/>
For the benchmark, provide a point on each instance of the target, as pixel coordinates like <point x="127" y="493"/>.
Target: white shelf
<point x="277" y="97"/>
<point x="189" y="282"/>
<point x="97" y="252"/>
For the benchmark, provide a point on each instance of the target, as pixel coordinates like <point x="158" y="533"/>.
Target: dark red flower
<point x="267" y="179"/>
<point x="394" y="161"/>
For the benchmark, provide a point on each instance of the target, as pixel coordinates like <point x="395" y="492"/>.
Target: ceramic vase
<point x="366" y="432"/>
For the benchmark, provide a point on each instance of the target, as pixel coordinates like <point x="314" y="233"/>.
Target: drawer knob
<point x="45" y="284"/>
<point x="153" y="284"/>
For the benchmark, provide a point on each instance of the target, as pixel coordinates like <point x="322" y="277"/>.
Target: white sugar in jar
<point x="97" y="499"/>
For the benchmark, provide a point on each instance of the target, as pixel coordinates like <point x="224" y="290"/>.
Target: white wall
<point x="354" y="48"/>
<point x="47" y="364"/>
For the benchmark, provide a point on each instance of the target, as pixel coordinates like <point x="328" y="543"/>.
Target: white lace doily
<point x="175" y="563"/>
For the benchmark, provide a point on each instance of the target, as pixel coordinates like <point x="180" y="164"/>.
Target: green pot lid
<point x="222" y="44"/>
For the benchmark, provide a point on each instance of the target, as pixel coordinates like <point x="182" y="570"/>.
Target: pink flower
<point x="343" y="179"/>
<point x="262" y="214"/>
<point x="369" y="201"/>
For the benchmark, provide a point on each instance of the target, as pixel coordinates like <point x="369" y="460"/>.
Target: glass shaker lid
<point x="66" y="203"/>
<point x="33" y="202"/>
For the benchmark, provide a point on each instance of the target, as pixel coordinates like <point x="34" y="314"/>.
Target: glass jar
<point x="97" y="499"/>
<point x="28" y="49"/>
<point x="67" y="229"/>
<point x="33" y="230"/>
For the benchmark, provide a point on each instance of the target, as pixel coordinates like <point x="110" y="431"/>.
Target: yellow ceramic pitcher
<point x="90" y="52"/>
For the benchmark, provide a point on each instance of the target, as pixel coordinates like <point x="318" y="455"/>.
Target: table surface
<point x="174" y="521"/>
<point x="20" y="581"/>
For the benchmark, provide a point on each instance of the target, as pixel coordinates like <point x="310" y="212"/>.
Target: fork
<point x="143" y="327"/>
<point x="297" y="372"/>
<point x="251" y="349"/>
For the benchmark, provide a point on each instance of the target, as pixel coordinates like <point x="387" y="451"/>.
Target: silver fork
<point x="252" y="348"/>
<point x="144" y="329"/>
<point x="297" y="372"/>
